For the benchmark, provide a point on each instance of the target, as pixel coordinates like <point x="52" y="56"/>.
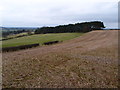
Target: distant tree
<point x="23" y="30"/>
<point x="78" y="27"/>
<point x="97" y="25"/>
<point x="29" y="32"/>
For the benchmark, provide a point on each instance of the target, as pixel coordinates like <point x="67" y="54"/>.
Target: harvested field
<point x="89" y="61"/>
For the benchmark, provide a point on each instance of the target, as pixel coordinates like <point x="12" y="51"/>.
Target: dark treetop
<point x="77" y="27"/>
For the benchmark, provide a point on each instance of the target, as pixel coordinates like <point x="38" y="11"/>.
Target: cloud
<point x="55" y="12"/>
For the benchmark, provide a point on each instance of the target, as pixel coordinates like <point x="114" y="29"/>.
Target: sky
<point x="38" y="13"/>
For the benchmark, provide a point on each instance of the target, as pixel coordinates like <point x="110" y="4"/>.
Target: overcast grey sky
<point x="32" y="13"/>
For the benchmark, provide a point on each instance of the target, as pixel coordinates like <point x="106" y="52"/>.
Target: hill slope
<point x="84" y="62"/>
<point x="39" y="38"/>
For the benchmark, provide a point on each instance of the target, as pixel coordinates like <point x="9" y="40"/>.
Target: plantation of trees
<point x="78" y="27"/>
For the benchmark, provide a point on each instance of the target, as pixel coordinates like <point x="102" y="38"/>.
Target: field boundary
<point x="7" y="49"/>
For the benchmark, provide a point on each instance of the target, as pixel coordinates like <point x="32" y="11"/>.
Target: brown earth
<point x="89" y="61"/>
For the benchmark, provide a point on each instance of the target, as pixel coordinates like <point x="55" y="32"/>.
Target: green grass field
<point x="39" y="38"/>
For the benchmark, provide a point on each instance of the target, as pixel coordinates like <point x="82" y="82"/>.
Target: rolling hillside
<point x="90" y="60"/>
<point x="39" y="38"/>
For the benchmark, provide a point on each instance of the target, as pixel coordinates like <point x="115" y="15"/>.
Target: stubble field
<point x="88" y="61"/>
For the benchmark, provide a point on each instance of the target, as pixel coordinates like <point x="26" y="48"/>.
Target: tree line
<point x="77" y="27"/>
<point x="5" y="33"/>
